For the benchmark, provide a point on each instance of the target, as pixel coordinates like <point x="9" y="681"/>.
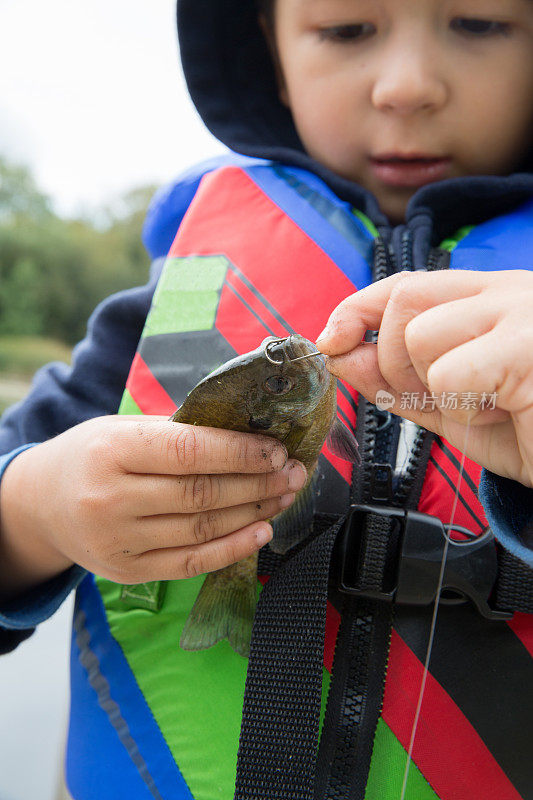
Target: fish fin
<point x="294" y="437"/>
<point x="224" y="609"/>
<point x="295" y="523"/>
<point x="343" y="443"/>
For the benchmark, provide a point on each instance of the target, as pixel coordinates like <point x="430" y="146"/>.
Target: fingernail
<point x="297" y="476"/>
<point x="278" y="457"/>
<point x="286" y="499"/>
<point x="264" y="535"/>
<point x="326" y="333"/>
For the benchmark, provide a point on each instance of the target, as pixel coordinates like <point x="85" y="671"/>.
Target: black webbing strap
<point x="279" y="741"/>
<point x="378" y="550"/>
<point x="514" y="587"/>
<point x="281" y="712"/>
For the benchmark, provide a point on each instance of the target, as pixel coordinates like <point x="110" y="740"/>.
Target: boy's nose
<point x="408" y="80"/>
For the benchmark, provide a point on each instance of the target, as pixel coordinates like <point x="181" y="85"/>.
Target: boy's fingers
<point x="409" y="292"/>
<point x="415" y="332"/>
<point x="148" y="495"/>
<point x="360" y="368"/>
<point x="495" y="367"/>
<point x="175" y="563"/>
<point x="434" y="332"/>
<point x="183" y="530"/>
<point x="170" y="448"/>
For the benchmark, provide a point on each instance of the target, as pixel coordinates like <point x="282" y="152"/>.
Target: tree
<point x="19" y="194"/>
<point x="54" y="271"/>
<point x="20" y="301"/>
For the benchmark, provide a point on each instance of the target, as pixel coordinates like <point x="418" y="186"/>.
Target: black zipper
<point x="356" y="693"/>
<point x="406" y="255"/>
<point x="360" y="662"/>
<point x="383" y="428"/>
<point x="383" y="261"/>
<point x="354" y="701"/>
<point x="438" y="259"/>
<point x="380" y="430"/>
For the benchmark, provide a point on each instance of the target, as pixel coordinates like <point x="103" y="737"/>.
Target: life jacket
<point x="269" y="250"/>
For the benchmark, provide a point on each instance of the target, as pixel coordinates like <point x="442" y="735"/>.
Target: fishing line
<point x="449" y="528"/>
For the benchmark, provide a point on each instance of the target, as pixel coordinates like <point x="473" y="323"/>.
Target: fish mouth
<point x="259" y="424"/>
<point x="291" y="348"/>
<point x="296" y="346"/>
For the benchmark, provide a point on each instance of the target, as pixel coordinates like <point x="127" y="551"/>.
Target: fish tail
<point x="295" y="523"/>
<point x="224" y="609"/>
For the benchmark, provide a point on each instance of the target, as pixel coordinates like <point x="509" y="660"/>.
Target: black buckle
<point x="412" y="575"/>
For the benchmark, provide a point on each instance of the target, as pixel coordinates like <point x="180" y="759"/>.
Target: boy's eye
<point x="479" y="27"/>
<point x="346" y="33"/>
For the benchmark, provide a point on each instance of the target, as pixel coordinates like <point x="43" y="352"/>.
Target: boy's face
<point x="395" y="94"/>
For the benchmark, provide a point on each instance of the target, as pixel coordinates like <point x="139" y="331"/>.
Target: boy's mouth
<point x="410" y="170"/>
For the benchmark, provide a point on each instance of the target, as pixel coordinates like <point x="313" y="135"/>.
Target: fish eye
<point x="278" y="384"/>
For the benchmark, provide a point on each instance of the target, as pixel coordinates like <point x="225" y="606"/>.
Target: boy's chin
<point x="394" y="205"/>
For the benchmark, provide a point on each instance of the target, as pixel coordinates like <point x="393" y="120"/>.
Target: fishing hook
<point x="284" y="355"/>
<point x="267" y="352"/>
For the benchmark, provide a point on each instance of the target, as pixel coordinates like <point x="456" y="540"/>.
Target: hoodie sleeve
<point x="60" y="398"/>
<point x="508" y="506"/>
<point x="18" y="618"/>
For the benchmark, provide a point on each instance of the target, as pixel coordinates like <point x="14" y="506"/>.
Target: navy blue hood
<point x="231" y="80"/>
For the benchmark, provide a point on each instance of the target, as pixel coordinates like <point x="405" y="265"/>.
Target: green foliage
<point x="19" y="298"/>
<point x="54" y="271"/>
<point x="21" y="356"/>
<point x="19" y="195"/>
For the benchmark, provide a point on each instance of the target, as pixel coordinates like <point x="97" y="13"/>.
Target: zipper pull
<point x="381" y="482"/>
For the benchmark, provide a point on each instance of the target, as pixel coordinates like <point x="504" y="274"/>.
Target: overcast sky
<point x="92" y="97"/>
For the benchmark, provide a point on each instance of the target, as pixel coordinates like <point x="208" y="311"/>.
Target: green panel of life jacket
<point x="195" y="697"/>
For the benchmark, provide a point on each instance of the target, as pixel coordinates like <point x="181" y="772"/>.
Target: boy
<point x="359" y="104"/>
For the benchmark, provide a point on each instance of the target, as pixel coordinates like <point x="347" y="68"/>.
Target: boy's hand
<point x="140" y="498"/>
<point x="447" y="332"/>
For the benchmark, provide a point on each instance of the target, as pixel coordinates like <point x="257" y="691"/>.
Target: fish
<point x="284" y="390"/>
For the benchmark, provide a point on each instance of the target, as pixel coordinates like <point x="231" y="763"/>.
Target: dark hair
<point x="265" y="8"/>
